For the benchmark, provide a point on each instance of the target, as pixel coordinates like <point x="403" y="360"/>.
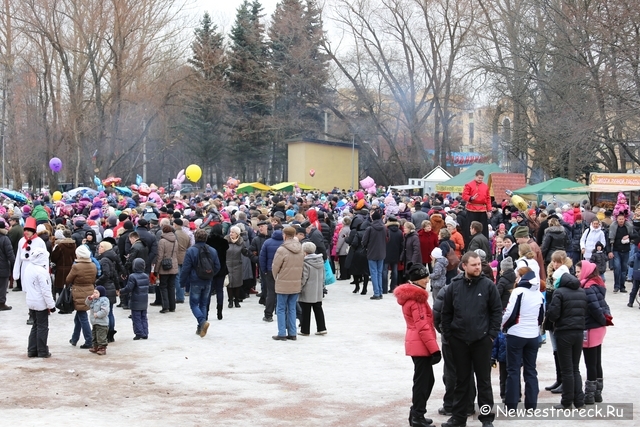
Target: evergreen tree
<point x="249" y="81"/>
<point x="300" y="74"/>
<point x="206" y="112"/>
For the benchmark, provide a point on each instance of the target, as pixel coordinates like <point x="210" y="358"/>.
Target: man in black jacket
<point x="395" y="243"/>
<point x="471" y="316"/>
<point x="375" y="240"/>
<point x="254" y="253"/>
<point x="315" y="236"/>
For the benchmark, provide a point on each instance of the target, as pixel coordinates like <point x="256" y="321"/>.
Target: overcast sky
<point x="223" y="12"/>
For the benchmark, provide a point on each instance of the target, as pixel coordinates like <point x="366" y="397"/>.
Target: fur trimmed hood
<point x="408" y="292"/>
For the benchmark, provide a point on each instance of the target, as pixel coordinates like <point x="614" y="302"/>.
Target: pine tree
<point x="249" y="81"/>
<point x="203" y="129"/>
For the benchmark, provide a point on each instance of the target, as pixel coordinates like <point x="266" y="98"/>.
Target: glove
<point x="245" y="252"/>
<point x="436" y="357"/>
<point x="52" y="310"/>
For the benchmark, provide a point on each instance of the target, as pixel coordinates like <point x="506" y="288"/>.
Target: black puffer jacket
<point x="472" y="309"/>
<point x="318" y="239"/>
<point x="375" y="240"/>
<point x="137" y="286"/>
<point x="568" y="308"/>
<point x="437" y="310"/>
<point x="597" y="307"/>
<point x="109" y="278"/>
<point x="505" y="285"/>
<point x="555" y="239"/>
<point x="7" y="257"/>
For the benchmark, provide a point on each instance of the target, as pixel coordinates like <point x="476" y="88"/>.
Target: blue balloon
<point x="138" y="180"/>
<point x="96" y="180"/>
<point x="100" y="187"/>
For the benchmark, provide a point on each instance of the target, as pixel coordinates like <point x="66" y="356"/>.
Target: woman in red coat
<point x="420" y="340"/>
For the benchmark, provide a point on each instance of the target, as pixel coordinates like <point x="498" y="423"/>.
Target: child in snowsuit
<point x="600" y="259"/>
<point x="138" y="287"/>
<point x="99" y="315"/>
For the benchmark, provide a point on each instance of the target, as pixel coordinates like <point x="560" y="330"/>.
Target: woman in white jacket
<point x="521" y="322"/>
<point x="590" y="237"/>
<point x="36" y="282"/>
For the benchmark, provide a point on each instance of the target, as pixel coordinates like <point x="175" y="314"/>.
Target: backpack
<point x="453" y="259"/>
<point x="204" y="266"/>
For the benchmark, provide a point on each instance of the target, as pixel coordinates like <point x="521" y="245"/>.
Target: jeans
<point x="467" y="358"/>
<point x="620" y="260"/>
<point x="112" y="319"/>
<point x="286" y="312"/>
<point x="632" y="253"/>
<point x="199" y="301"/>
<point x="522" y="352"/>
<point x="569" y="353"/>
<point x="634" y="291"/>
<point x="375" y="268"/>
<point x="217" y="289"/>
<point x="305" y="317"/>
<point x="39" y="333"/>
<point x="179" y="289"/>
<point x="81" y="321"/>
<point x="423" y="381"/>
<point x="385" y="277"/>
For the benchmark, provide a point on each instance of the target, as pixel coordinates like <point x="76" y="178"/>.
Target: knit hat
<point x="178" y="222"/>
<point x="102" y="290"/>
<point x="107" y="233"/>
<point x="482" y="254"/>
<point x="128" y="225"/>
<point x="577" y="217"/>
<point x="502" y="227"/>
<point x="506" y="264"/>
<point x="521" y="231"/>
<point x="376" y="215"/>
<point x="436" y="253"/>
<point x="417" y="271"/>
<point x="112" y="220"/>
<point x="59" y="235"/>
<point x="40" y="228"/>
<point x="83" y="252"/>
<point x="142" y="222"/>
<point x="450" y="221"/>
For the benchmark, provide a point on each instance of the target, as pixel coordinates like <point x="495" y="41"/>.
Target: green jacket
<point x="40" y="214"/>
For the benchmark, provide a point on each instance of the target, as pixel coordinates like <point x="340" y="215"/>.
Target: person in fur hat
<point x="420" y="340"/>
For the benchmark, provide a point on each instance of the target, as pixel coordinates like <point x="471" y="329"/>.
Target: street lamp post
<point x="353" y="156"/>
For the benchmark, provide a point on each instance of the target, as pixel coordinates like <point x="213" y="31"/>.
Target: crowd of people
<point x="502" y="280"/>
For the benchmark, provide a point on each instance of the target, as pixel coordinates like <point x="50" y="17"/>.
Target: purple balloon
<point x="55" y="164"/>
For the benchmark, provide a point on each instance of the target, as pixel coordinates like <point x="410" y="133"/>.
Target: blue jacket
<point x="137" y="286"/>
<point x="597" y="307"/>
<point x="269" y="249"/>
<point x="499" y="350"/>
<point x="188" y="274"/>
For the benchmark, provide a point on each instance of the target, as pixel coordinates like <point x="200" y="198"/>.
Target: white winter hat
<point x="83" y="252"/>
<point x="59" y="235"/>
<point x="450" y="221"/>
<point x="481" y="253"/>
<point x="436" y="253"/>
<point x="40" y="228"/>
<point x="108" y="233"/>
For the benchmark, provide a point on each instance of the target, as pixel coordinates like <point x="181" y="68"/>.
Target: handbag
<point x="329" y="277"/>
<point x="167" y="263"/>
<point x="64" y="303"/>
<point x="453" y="259"/>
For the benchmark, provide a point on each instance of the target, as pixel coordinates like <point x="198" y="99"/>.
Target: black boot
<point x="230" y="303"/>
<point x="558" y="374"/>
<point x="419" y="421"/>
<point x="364" y="286"/>
<point x="589" y="392"/>
<point x="219" y="309"/>
<point x="237" y="303"/>
<point x="110" y="335"/>
<point x="357" y="289"/>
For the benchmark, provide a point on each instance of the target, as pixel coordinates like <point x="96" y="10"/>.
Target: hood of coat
<point x="409" y="292"/>
<point x="277" y="235"/>
<point x="437" y="221"/>
<point x="292" y="246"/>
<point x="37" y="256"/>
<point x="569" y="281"/>
<point x="555" y="229"/>
<point x="587" y="269"/>
<point x="169" y="236"/>
<point x="509" y="274"/>
<point x="314" y="261"/>
<point x="92" y="233"/>
<point x="110" y="254"/>
<point x="138" y="265"/>
<point x="393" y="226"/>
<point x="377" y="225"/>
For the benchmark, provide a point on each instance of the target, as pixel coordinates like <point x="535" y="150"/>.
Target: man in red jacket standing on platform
<point x="476" y="194"/>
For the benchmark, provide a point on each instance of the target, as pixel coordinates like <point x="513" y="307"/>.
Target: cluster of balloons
<point x="369" y="185"/>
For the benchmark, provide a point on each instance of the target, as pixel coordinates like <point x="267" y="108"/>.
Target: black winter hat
<point x="417" y="271"/>
<point x="102" y="290"/>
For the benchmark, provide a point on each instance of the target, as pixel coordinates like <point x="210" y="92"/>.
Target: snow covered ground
<point x="356" y="375"/>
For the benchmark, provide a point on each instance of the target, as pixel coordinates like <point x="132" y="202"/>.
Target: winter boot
<point x="598" y="394"/>
<point x="230" y="302"/>
<point x="94" y="349"/>
<point x="219" y="310"/>
<point x="589" y="392"/>
<point x="102" y="350"/>
<point x="558" y="374"/>
<point x="364" y="286"/>
<point x="110" y="335"/>
<point x="237" y="303"/>
<point x="357" y="289"/>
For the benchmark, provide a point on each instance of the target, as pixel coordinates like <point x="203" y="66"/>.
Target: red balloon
<point x="312" y="172"/>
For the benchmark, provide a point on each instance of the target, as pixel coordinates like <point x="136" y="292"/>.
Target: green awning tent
<point x="457" y="183"/>
<point x="562" y="189"/>
<point x="251" y="187"/>
<point x="290" y="186"/>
